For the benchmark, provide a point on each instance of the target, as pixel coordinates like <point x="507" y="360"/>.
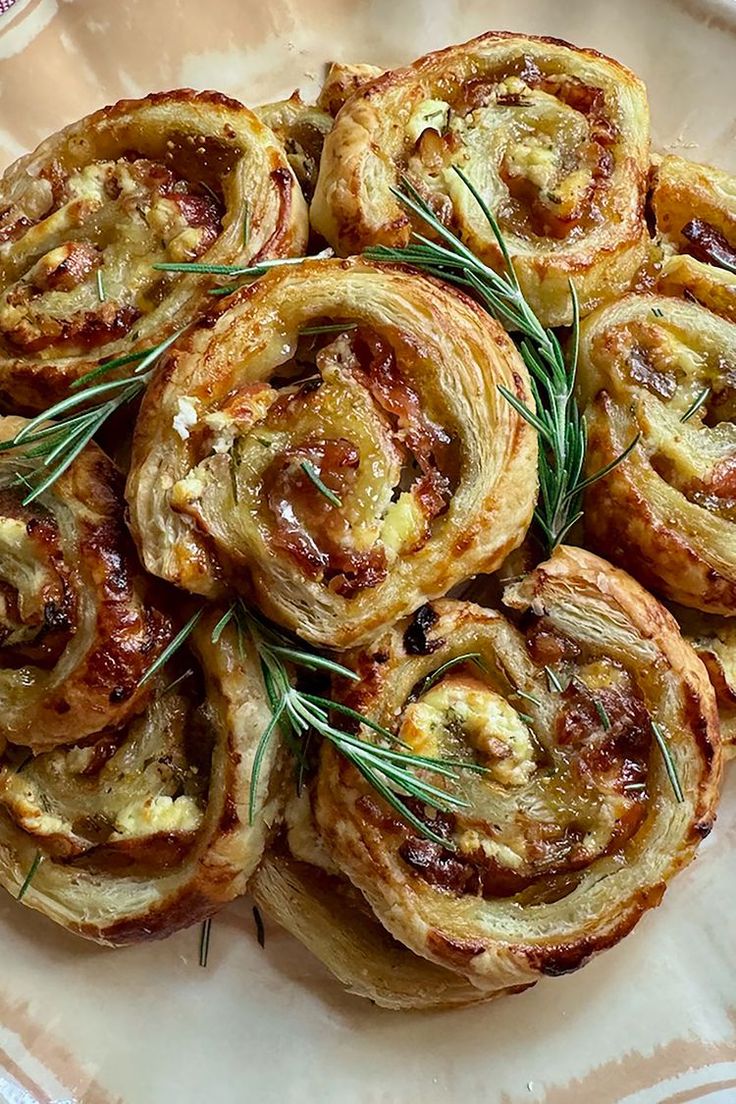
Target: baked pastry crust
<point x="560" y="850"/>
<point x="556" y="139"/>
<point x="171" y="177"/>
<point x="668" y="512"/>
<point x="431" y="472"/>
<point x="299" y="887"/>
<point x="301" y="128"/>
<point x="695" y="211"/>
<point x="147" y="830"/>
<point x="80" y="622"/>
<point x="714" y="640"/>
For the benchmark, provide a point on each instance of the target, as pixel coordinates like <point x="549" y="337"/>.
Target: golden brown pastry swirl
<point x="576" y="827"/>
<point x="554" y="138"/>
<point x="141" y="830"/>
<point x="174" y="177"/>
<point x="337" y="478"/>
<point x="661" y="367"/>
<point x="79" y="622"/>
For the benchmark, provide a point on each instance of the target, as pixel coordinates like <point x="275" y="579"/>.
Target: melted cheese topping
<point x="465" y="708"/>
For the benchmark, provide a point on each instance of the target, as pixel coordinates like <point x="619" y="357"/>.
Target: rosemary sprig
<point x="669" y="763"/>
<point x="30" y="875"/>
<point x="433" y="678"/>
<point x="390" y="769"/>
<point x="557" y="417"/>
<point x="50" y="446"/>
<point x="310" y="471"/>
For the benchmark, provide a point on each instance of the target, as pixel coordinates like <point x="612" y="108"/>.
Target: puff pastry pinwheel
<point x="174" y="177"/>
<point x="145" y="829"/>
<point x="301" y="128"/>
<point x="598" y="728"/>
<point x="659" y="367"/>
<point x="79" y="622"/>
<point x="299" y="887"/>
<point x="337" y="478"/>
<point x="555" y="139"/>
<point x="714" y="639"/>
<point x="695" y="212"/>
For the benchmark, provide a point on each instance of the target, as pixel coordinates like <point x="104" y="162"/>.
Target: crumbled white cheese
<point x="158" y="814"/>
<point x="429" y="115"/>
<point x="186" y="416"/>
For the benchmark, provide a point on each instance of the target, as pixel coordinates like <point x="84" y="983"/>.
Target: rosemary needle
<point x="100" y="286"/>
<point x="700" y="398"/>
<point x="310" y="471"/>
<point x="172" y="647"/>
<point x="30" y="875"/>
<point x="669" y="762"/>
<point x="204" y="942"/>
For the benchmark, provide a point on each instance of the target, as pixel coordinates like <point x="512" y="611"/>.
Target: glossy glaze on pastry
<point x="556" y="140"/>
<point x="576" y="828"/>
<point x="338" y="479"/>
<point x="169" y="178"/>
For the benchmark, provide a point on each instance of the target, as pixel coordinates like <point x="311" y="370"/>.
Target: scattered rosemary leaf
<point x="260" y="929"/>
<point x="310" y="471"/>
<point x="657" y="312"/>
<point x="30" y="875"/>
<point x="100" y="286"/>
<point x="602" y="714"/>
<point x="528" y="697"/>
<point x="204" y="943"/>
<point x="669" y="762"/>
<point x="700" y="398"/>
<point x="435" y="676"/>
<point x="219" y="627"/>
<point x="330" y="327"/>
<point x="553" y="680"/>
<point x="172" y="647"/>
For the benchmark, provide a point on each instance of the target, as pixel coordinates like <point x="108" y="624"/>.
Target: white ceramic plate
<point x="654" y="1020"/>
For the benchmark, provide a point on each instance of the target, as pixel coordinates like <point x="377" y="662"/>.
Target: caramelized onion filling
<point x="335" y="459"/>
<point x="549" y="135"/>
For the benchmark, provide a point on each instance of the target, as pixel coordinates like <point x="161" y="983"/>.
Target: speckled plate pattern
<point x="653" y="1020"/>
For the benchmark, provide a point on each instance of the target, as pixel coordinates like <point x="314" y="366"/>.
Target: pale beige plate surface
<point x="653" y="1020"/>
